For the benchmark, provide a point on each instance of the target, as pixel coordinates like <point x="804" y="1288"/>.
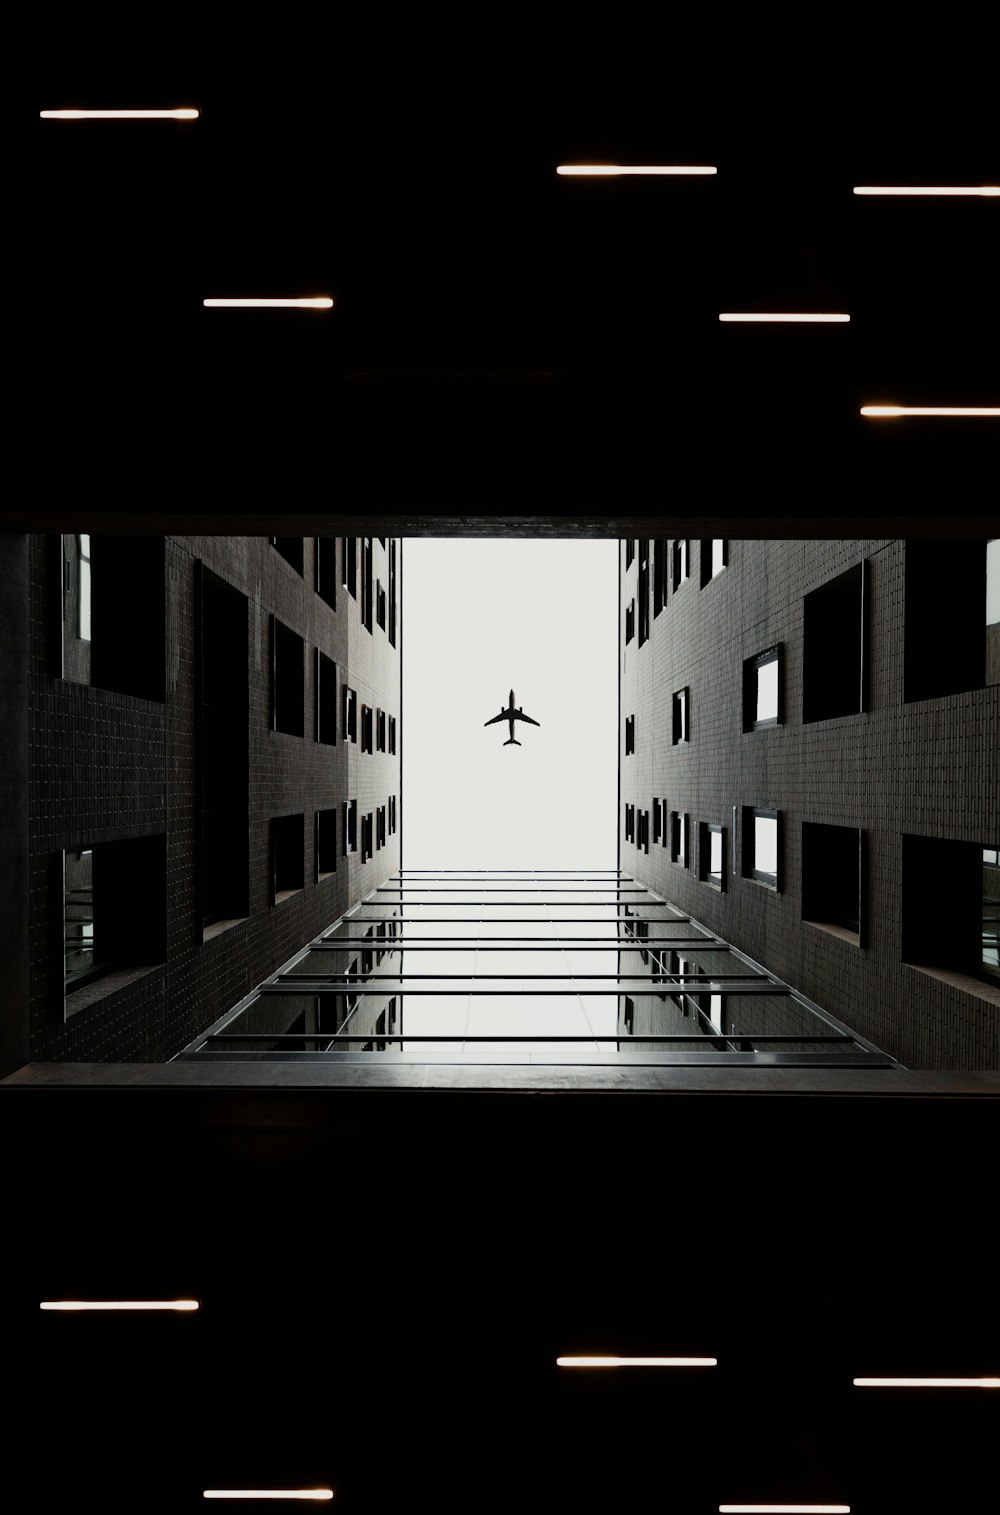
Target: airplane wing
<point x="493" y="719"/>
<point x="519" y="717"/>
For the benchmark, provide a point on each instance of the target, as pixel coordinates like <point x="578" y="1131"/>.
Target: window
<point x="628" y="1015"/>
<point x="643" y="590"/>
<point x="326" y="843"/>
<point x="832" y="879"/>
<point x="84" y="620"/>
<point x="380" y="604"/>
<point x="392" y="593"/>
<point x="106" y="622"/>
<point x="380" y="731"/>
<point x="951" y="907"/>
<point x="367" y="828"/>
<point x="714" y="557"/>
<point x="366" y="583"/>
<point x="763" y="704"/>
<point x="380" y="827"/>
<point x="292" y="550"/>
<point x="222" y="749"/>
<point x="288" y="690"/>
<point x="834" y="668"/>
<point x="657" y="820"/>
<point x="761" y="845"/>
<point x="350" y="826"/>
<point x="629" y="551"/>
<point x="630" y="823"/>
<point x="112" y="905"/>
<point x="326" y="699"/>
<point x="287" y="856"/>
<point x="661" y="559"/>
<point x="325" y="550"/>
<point x="392" y="733"/>
<point x="392" y="815"/>
<point x="643" y="841"/>
<point x="349" y="556"/>
<point x="679" y="838"/>
<point x="958" y="649"/>
<point x="681" y="716"/>
<point x="712" y="855"/>
<point x="366" y="728"/>
<point x="629" y="735"/>
<point x="681" y="563"/>
<point x="350" y="715"/>
<point x="630" y="621"/>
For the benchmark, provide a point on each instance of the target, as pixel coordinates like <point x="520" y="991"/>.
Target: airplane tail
<point x="513" y="742"/>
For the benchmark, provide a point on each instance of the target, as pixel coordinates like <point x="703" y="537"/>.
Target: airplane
<point x="512" y="715"/>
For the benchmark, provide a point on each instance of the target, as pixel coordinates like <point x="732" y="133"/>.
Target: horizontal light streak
<point x="784" y="1509"/>
<point x="785" y="316"/>
<point x="184" y="114"/>
<point x="311" y="302"/>
<point x="927" y="189"/>
<point x="892" y="412"/>
<point x="637" y="1362"/>
<point x="267" y="1494"/>
<point x="118" y="1304"/>
<point x="926" y="1383"/>
<point x="615" y="170"/>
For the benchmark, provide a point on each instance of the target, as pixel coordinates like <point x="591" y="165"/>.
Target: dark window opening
<point x="288" y="689"/>
<point x="380" y="731"/>
<point x="629" y="551"/>
<point x="366" y="583"/>
<point x="714" y="558"/>
<point x="350" y="826"/>
<point x="763" y="702"/>
<point x="642" y="593"/>
<point x="392" y="733"/>
<point x="367" y="845"/>
<point x="113" y="910"/>
<point x="292" y="549"/>
<point x="326" y="843"/>
<point x="834" y="669"/>
<point x="661" y="560"/>
<point x="952" y="618"/>
<point x="629" y="735"/>
<point x="287" y="856"/>
<point x="380" y="1031"/>
<point x="833" y="878"/>
<point x="628" y="1015"/>
<point x="761" y="845"/>
<point x="951" y="906"/>
<point x="657" y="820"/>
<point x="712" y="855"/>
<point x="366" y="728"/>
<point x="681" y="565"/>
<point x="326" y="569"/>
<point x="643" y="841"/>
<point x="380" y="604"/>
<point x="350" y="715"/>
<point x="222" y="748"/>
<point x="326" y="699"/>
<point x="107" y="612"/>
<point x="630" y="621"/>
<point x="392" y="593"/>
<point x="349" y="555"/>
<point x="679" y="838"/>
<point x="630" y="823"/>
<point x="380" y="827"/>
<point x="681" y="727"/>
<point x="392" y="815"/>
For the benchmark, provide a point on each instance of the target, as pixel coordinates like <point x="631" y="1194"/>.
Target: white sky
<point x="480" y="617"/>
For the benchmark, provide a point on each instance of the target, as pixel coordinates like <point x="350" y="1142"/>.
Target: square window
<point x="832" y="879"/>
<point x="943" y="657"/>
<point x="714" y="557"/>
<point x="326" y="699"/>
<point x="681" y="716"/>
<point x="681" y="563"/>
<point x="762" y="690"/>
<point x="326" y="843"/>
<point x="679" y="838"/>
<point x="834" y="656"/>
<point x="761" y="845"/>
<point x="712" y="855"/>
<point x="287" y="856"/>
<point x="288" y="689"/>
<point x="956" y="927"/>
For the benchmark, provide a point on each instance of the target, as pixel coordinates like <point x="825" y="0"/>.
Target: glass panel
<point x="765" y="844"/>
<point x="767" y="691"/>
<point x="991" y="910"/>
<point x="717" y="557"/>
<point x="716" y="856"/>
<point x="79" y="915"/>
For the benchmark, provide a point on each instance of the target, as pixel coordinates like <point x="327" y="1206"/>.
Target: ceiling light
<point x="614" y="170"/>
<point x="784" y="1509"/>
<point x="927" y="189"/>
<point x="268" y="1494"/>
<point x="313" y="302"/>
<point x="636" y="1362"/>
<point x="118" y="1304"/>
<point x="926" y="1383"/>
<point x="792" y="315"/>
<point x="184" y="114"/>
<point x="890" y="412"/>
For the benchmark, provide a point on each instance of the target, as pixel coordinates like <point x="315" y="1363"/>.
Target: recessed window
<point x="222" y="749"/>
<point x="657" y="820"/>
<point x="350" y="715"/>
<point x="947" y="655"/>
<point x="366" y="728"/>
<point x="113" y="914"/>
<point x="630" y="823"/>
<point x="643" y="841"/>
<point x="630" y="621"/>
<point x="326" y="698"/>
<point x="326" y="843"/>
<point x="629" y="735"/>
<point x="643" y="590"/>
<point x="349" y="562"/>
<point x="714" y="558"/>
<point x="681" y="563"/>
<point x="380" y="827"/>
<point x="380" y="604"/>
<point x="367" y="588"/>
<point x="84" y="598"/>
<point x="679" y="838"/>
<point x="681" y="716"/>
<point x="287" y="856"/>
<point x="951" y="915"/>
<point x="392" y="733"/>
<point x="712" y="855"/>
<point x="661" y="573"/>
<point x="367" y="837"/>
<point x="761" y="841"/>
<point x="762" y="690"/>
<point x="350" y="826"/>
<point x="379" y="730"/>
<point x="629" y="551"/>
<point x="833" y="879"/>
<point x="326" y="569"/>
<point x="292" y="550"/>
<point x="288" y="690"/>
<point x="106" y="612"/>
<point x="834" y="653"/>
<point x="392" y="815"/>
<point x="392" y="593"/>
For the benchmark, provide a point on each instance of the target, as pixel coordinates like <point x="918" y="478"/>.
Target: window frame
<point x="751" y="813"/>
<point x="680" y="707"/>
<point x="706" y="874"/>
<point x="751" y="669"/>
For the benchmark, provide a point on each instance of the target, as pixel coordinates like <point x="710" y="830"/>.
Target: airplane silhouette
<point x="512" y="715"/>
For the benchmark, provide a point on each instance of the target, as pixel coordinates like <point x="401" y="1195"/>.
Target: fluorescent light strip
<point x="637" y="1362"/>
<point x="267" y="1494"/>
<point x="926" y="1383"/>
<point x="119" y="115"/>
<point x="784" y="316"/>
<point x="784" y="1509"/>
<point x="892" y="412"/>
<point x="313" y="302"/>
<point x="927" y="189"/>
<point x="615" y="170"/>
<point x="118" y="1304"/>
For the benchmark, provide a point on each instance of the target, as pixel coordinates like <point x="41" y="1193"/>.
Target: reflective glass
<point x="767" y="691"/>
<point x="765" y="844"/>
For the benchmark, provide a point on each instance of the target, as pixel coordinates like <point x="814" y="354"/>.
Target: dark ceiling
<point x="503" y="337"/>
